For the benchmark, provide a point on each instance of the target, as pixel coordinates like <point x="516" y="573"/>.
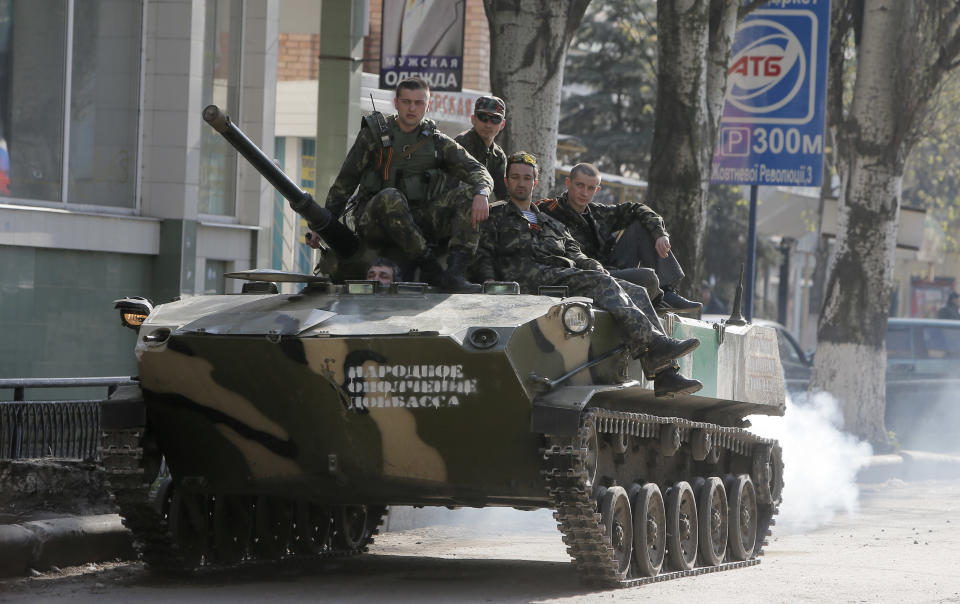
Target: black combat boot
<point x="662" y="350"/>
<point x="430" y="270"/>
<point x="669" y="383"/>
<point x="671" y="300"/>
<point x="454" y="279"/>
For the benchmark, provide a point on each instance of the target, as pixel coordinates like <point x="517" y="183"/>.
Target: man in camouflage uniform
<point x="520" y="243"/>
<point x="399" y="166"/>
<point x="488" y="119"/>
<point x="642" y="254"/>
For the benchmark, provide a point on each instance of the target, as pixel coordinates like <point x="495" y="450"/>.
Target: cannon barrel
<point x="320" y="220"/>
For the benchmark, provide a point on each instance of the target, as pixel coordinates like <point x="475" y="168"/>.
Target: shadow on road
<point x="369" y="578"/>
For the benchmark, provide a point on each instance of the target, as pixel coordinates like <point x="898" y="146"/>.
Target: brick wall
<point x="476" y="48"/>
<point x="371" y="43"/>
<point x="297" y="57"/>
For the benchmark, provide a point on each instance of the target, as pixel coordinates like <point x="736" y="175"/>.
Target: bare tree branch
<point x="749" y="6"/>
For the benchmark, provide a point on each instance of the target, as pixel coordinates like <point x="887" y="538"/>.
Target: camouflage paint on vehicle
<point x="385" y="398"/>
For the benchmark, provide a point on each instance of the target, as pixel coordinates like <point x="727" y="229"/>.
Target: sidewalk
<point x="67" y="541"/>
<point x="73" y="540"/>
<point x="910" y="465"/>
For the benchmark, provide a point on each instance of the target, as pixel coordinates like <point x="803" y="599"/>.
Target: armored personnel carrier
<point x="289" y="422"/>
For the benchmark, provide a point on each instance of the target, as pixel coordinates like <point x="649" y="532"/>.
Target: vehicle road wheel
<point x="768" y="473"/>
<point x="742" y="500"/>
<point x="273" y="526"/>
<point x="351" y="524"/>
<point x="232" y="527"/>
<point x="681" y="526"/>
<point x="618" y="527"/>
<point x="714" y="519"/>
<point x="589" y="442"/>
<point x="190" y="526"/>
<point x="649" y="529"/>
<point x="312" y="527"/>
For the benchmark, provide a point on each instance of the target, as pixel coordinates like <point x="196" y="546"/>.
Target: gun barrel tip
<point x="216" y="118"/>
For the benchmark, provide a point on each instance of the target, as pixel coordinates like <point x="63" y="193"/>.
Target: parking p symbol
<point x="735" y="141"/>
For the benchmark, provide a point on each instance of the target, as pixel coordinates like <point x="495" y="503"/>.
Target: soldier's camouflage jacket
<point x="597" y="237"/>
<point x="493" y="158"/>
<point x="513" y="249"/>
<point x="367" y="161"/>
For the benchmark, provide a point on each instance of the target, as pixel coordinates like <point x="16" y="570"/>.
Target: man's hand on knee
<point x="663" y="246"/>
<point x="480" y="210"/>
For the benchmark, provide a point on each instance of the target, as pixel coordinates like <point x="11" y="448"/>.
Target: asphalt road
<point x="903" y="545"/>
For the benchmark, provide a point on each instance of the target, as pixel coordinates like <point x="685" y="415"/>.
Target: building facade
<point x="112" y="183"/>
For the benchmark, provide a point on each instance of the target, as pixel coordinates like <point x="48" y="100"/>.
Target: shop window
<point x="221" y="87"/>
<point x="32" y="83"/>
<point x="98" y="76"/>
<point x="308" y="175"/>
<point x="214" y="281"/>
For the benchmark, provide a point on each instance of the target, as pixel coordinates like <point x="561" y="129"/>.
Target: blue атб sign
<point x="771" y="132"/>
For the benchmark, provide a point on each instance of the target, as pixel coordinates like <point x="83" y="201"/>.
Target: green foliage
<point x="893" y="442"/>
<point x="725" y="246"/>
<point x="931" y="179"/>
<point x="610" y="79"/>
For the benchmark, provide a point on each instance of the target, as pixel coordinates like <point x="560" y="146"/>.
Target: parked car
<point x="923" y="382"/>
<point x="797" y="365"/>
<point x="922" y="378"/>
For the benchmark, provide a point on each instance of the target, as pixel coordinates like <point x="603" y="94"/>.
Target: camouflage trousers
<point x="628" y="303"/>
<point x="387" y="217"/>
<point x="637" y="247"/>
<point x="642" y="276"/>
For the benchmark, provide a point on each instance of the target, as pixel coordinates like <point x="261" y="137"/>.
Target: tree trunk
<point x="528" y="47"/>
<point x="850" y="361"/>
<point x="903" y="52"/>
<point x="724" y="18"/>
<point x="822" y="255"/>
<point x="694" y="39"/>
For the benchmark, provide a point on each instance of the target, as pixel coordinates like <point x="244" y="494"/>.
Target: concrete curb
<point x="910" y="465"/>
<point x="40" y="544"/>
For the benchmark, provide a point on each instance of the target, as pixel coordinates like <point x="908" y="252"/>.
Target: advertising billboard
<point x="423" y="38"/>
<point x="772" y="128"/>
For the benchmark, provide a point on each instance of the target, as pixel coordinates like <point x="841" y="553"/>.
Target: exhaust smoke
<point x="820" y="461"/>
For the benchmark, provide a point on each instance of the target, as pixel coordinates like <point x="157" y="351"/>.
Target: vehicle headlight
<point x="131" y="319"/>
<point x="578" y="318"/>
<point x="133" y="311"/>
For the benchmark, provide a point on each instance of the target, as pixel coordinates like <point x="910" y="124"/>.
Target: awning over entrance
<point x="792" y="212"/>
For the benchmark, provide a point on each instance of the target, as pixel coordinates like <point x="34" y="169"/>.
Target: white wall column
<point x="342" y="27"/>
<point x="171" y="112"/>
<point x="259" y="98"/>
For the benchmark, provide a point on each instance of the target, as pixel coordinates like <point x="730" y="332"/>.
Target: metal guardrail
<point x="68" y="429"/>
